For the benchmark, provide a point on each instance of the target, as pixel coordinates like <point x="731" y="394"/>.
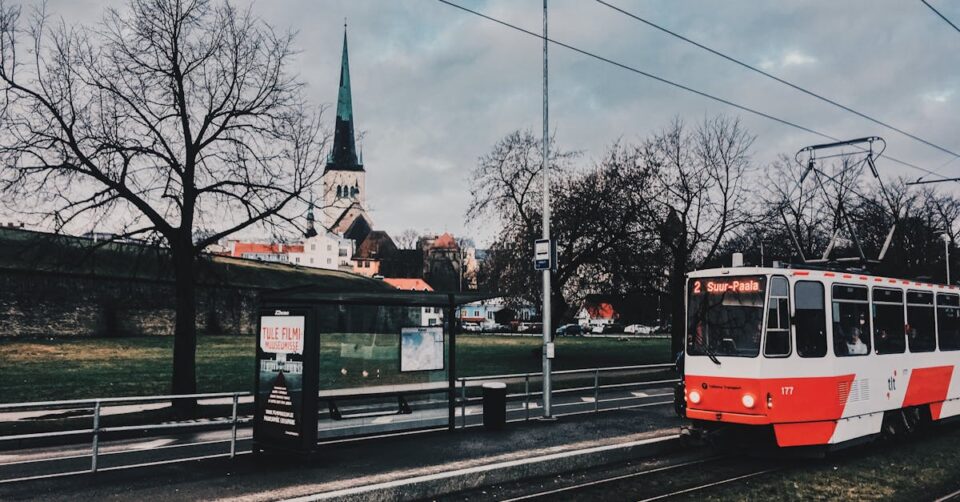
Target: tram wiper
<point x="711" y="355"/>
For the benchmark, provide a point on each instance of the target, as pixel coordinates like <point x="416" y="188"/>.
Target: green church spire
<point x="344" y="154"/>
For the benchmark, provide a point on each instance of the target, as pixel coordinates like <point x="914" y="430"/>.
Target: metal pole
<point x="546" y="227"/>
<point x="526" y="391"/>
<point x="946" y="252"/>
<point x="463" y="403"/>
<point x="233" y="437"/>
<point x="96" y="437"/>
<point x="596" y="390"/>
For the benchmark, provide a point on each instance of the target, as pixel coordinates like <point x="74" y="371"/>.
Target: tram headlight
<point x="748" y="400"/>
<point x="694" y="397"/>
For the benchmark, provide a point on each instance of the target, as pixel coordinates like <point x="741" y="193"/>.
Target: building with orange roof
<point x="317" y="249"/>
<point x="442" y="262"/>
<point x="429" y="316"/>
<point x="408" y="283"/>
<point x="595" y="311"/>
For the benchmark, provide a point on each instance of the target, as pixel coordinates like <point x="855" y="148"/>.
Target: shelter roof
<point x="312" y="295"/>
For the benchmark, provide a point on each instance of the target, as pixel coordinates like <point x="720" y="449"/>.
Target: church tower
<point x="344" y="189"/>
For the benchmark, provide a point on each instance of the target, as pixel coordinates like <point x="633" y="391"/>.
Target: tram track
<point x="950" y="496"/>
<point x="674" y="476"/>
<point x="713" y="484"/>
<point x="606" y="480"/>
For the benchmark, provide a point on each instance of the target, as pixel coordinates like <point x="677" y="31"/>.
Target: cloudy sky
<point x="434" y="87"/>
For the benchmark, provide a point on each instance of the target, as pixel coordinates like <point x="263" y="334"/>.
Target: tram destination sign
<point x="732" y="285"/>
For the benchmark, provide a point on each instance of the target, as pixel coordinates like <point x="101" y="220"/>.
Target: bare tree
<point x="170" y="117"/>
<point x="507" y="190"/>
<point x="506" y="183"/>
<point x="696" y="199"/>
<point x="407" y="239"/>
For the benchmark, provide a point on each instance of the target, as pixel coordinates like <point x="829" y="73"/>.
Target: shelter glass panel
<point x="360" y="346"/>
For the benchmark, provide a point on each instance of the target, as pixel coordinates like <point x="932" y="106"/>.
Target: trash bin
<point x="494" y="405"/>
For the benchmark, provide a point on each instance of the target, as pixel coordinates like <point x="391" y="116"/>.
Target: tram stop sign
<point x="544" y="254"/>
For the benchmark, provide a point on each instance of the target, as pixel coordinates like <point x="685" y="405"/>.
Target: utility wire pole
<point x="946" y="253"/>
<point x="547" y="333"/>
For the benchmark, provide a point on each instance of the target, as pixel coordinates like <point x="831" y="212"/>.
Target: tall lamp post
<point x="946" y="253"/>
<point x="547" y="333"/>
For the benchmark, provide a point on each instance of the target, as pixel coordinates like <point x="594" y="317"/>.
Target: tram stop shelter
<point x="345" y="364"/>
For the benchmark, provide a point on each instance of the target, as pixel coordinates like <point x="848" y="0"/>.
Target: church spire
<point x="311" y="230"/>
<point x="344" y="154"/>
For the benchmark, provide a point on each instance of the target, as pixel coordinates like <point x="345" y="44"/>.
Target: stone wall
<point x="59" y="285"/>
<point x="42" y="304"/>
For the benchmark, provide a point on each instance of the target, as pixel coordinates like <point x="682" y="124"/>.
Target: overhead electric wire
<point x="941" y="15"/>
<point x="672" y="83"/>
<point x="778" y="79"/>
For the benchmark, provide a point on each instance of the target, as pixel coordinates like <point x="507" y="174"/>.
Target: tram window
<point x="851" y="322"/>
<point x="948" y="321"/>
<point x="725" y="316"/>
<point x="811" y="319"/>
<point x="844" y="292"/>
<point x="778" y="319"/>
<point x="888" y="324"/>
<point x="920" y="326"/>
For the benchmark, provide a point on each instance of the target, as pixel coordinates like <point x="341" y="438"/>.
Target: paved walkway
<point x="352" y="464"/>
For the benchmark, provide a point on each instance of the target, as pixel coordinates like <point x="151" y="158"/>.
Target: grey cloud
<point x="434" y="87"/>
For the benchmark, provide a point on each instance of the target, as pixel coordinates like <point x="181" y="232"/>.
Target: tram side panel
<point x="824" y="400"/>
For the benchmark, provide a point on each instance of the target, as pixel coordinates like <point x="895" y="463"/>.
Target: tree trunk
<point x="675" y="233"/>
<point x="185" y="331"/>
<point x="558" y="304"/>
<point x="678" y="320"/>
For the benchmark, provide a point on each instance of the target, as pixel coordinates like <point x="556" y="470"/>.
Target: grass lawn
<point x="40" y="370"/>
<point x="923" y="467"/>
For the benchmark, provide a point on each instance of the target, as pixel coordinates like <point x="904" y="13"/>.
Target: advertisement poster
<point x="280" y="387"/>
<point x="421" y="348"/>
<point x="281" y="334"/>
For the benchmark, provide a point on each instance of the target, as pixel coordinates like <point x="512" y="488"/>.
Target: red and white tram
<point x="819" y="357"/>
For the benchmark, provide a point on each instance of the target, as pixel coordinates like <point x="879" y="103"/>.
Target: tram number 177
<point x="786" y="390"/>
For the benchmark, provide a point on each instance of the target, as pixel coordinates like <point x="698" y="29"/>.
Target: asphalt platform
<point x="404" y="467"/>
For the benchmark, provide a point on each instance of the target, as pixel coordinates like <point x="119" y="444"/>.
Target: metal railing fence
<point x="96" y="430"/>
<point x="514" y="381"/>
<point x="526" y="378"/>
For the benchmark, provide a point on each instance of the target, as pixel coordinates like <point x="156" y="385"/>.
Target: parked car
<point x="639" y="329"/>
<point x="530" y="327"/>
<point x="492" y="327"/>
<point x="569" y="330"/>
<point x="471" y="328"/>
<point x="607" y="328"/>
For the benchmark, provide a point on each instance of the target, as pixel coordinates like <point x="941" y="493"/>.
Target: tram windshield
<point x="725" y="316"/>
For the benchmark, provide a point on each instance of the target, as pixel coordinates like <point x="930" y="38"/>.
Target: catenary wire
<point x="672" y="83"/>
<point x="941" y="15"/>
<point x="778" y="79"/>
